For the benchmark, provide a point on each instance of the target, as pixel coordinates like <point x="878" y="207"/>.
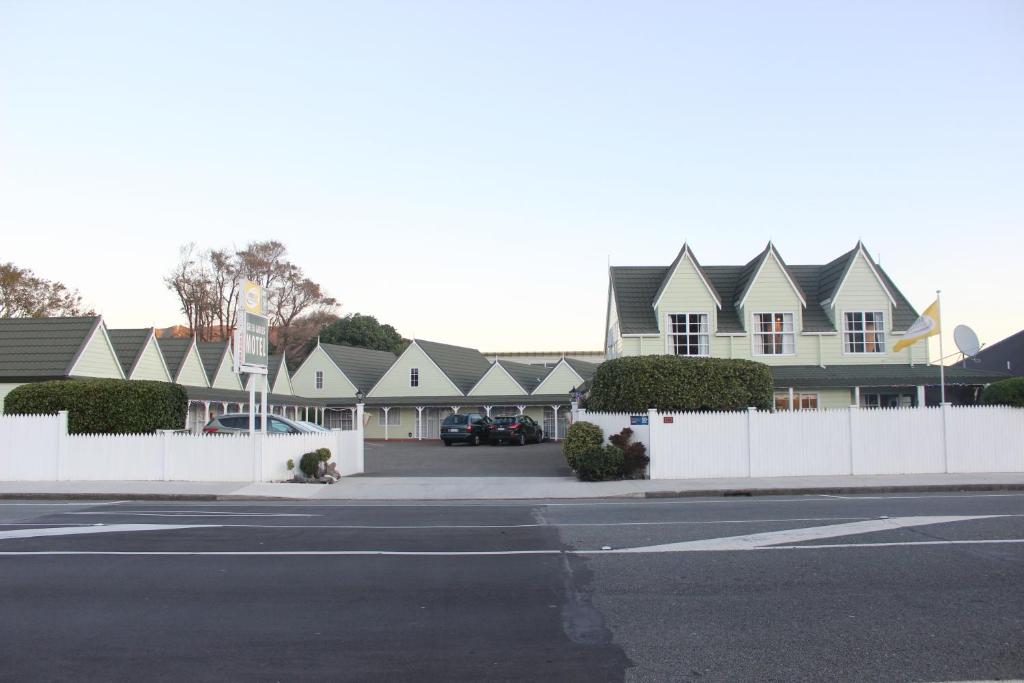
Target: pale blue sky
<point x="415" y="155"/>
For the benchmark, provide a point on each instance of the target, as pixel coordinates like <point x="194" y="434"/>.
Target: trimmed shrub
<point x="104" y="406"/>
<point x="581" y="437"/>
<point x="310" y="464"/>
<point x="673" y="383"/>
<point x="1007" y="392"/>
<point x="600" y="463"/>
<point x="634" y="465"/>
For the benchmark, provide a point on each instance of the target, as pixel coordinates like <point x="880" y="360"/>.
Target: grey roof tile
<point x="129" y="345"/>
<point x="211" y="354"/>
<point x="880" y="375"/>
<point x="363" y="367"/>
<point x="526" y="375"/>
<point x="42" y="348"/>
<point x="583" y="368"/>
<point x="463" y="366"/>
<point x="174" y="350"/>
<point x="635" y="288"/>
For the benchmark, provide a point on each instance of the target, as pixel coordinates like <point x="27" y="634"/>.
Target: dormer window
<point x="774" y="334"/>
<point x="414" y="377"/>
<point x="864" y="332"/>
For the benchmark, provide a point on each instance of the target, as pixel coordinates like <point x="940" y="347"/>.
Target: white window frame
<point x="414" y="377"/>
<point x="757" y="349"/>
<point x="847" y="351"/>
<point x="706" y="334"/>
<point x="798" y="400"/>
<point x="394" y="417"/>
<point x="318" y="379"/>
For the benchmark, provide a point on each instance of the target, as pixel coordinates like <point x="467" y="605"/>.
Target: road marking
<point x="84" y="503"/>
<point x="790" y="536"/>
<point x="461" y="553"/>
<point x="193" y="513"/>
<point x="106" y="529"/>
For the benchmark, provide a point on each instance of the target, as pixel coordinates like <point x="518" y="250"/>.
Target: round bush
<point x="581" y="437"/>
<point x="601" y="463"/>
<point x="104" y="406"/>
<point x="1007" y="392"/>
<point x="673" y="383"/>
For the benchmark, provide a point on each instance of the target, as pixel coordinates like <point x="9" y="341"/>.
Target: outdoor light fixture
<point x="360" y="396"/>
<point x="574" y="394"/>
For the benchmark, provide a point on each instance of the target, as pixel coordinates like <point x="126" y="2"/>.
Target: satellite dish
<point x="966" y="340"/>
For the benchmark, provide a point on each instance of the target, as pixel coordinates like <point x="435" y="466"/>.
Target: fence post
<point x="360" y="465"/>
<point x="62" y="443"/>
<point x="853" y="434"/>
<point x="652" y="427"/>
<point x="945" y="437"/>
<point x="750" y="439"/>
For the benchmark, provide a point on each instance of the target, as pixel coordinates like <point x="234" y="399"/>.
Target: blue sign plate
<point x="638" y="420"/>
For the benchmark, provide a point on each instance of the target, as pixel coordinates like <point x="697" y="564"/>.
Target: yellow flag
<point x="928" y="325"/>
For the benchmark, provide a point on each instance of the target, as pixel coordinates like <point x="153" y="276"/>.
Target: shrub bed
<point x="600" y="463"/>
<point x="674" y="383"/>
<point x="1007" y="392"/>
<point x="104" y="406"/>
<point x="581" y="437"/>
<point x="634" y="462"/>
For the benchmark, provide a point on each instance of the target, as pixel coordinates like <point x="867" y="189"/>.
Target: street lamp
<point x="360" y="396"/>
<point x="574" y="395"/>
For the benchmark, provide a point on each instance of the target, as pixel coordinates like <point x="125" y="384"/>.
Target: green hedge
<point x="581" y="437"/>
<point x="104" y="406"/>
<point x="1007" y="392"/>
<point x="673" y="383"/>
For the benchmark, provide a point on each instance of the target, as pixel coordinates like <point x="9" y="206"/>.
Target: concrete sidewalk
<point x="508" y="488"/>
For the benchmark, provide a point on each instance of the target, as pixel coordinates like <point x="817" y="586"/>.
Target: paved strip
<point x="105" y="529"/>
<point x="192" y="513"/>
<point x="789" y="536"/>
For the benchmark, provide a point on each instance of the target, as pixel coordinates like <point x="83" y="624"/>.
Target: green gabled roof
<point x="363" y="367"/>
<point x="880" y="375"/>
<point x="749" y="272"/>
<point x="635" y="289"/>
<point x="444" y="401"/>
<point x="462" y="365"/>
<point x="527" y="376"/>
<point x="174" y="350"/>
<point x="582" y="368"/>
<point x="42" y="348"/>
<point x="274" y="365"/>
<point x="211" y="353"/>
<point x="129" y="345"/>
<point x="686" y="251"/>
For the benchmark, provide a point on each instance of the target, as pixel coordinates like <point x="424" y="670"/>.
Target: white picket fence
<point x="38" y="448"/>
<point x="955" y="439"/>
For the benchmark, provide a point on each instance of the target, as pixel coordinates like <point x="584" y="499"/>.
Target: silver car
<point x="236" y="423"/>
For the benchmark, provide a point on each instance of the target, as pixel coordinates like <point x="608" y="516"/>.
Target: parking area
<point x="433" y="459"/>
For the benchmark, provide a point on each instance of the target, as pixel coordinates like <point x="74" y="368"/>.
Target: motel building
<point x="827" y="331"/>
<point x="408" y="396"/>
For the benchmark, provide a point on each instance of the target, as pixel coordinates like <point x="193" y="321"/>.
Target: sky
<point x="466" y="171"/>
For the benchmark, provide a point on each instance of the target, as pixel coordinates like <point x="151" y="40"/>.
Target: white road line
<point x="789" y="536"/>
<point x="84" y="503"/>
<point x="461" y="553"/>
<point x="192" y="513"/>
<point x="106" y="529"/>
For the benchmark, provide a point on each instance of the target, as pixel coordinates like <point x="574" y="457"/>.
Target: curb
<point x="834" y="490"/>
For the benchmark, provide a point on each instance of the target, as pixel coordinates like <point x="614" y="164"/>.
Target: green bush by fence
<point x="600" y="463"/>
<point x="1007" y="392"/>
<point x="104" y="406"/>
<point x="673" y="383"/>
<point x="581" y="437"/>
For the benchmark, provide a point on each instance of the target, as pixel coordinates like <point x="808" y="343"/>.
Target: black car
<point x="471" y="428"/>
<point x="517" y="429"/>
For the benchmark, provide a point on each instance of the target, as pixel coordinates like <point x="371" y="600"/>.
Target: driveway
<point x="433" y="459"/>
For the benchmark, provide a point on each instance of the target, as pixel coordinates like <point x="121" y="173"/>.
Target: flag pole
<point x="942" y="365"/>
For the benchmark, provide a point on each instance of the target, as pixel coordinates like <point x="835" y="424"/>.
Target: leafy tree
<point x="25" y="295"/>
<point x="206" y="284"/>
<point x="1007" y="392"/>
<point x="356" y="329"/>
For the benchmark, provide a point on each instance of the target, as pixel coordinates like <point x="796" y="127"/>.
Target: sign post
<point x="252" y="345"/>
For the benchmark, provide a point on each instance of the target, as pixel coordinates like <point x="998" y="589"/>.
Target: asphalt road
<point x="431" y="458"/>
<point x="902" y="587"/>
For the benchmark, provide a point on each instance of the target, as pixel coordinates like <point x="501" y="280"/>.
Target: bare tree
<point x="225" y="267"/>
<point x="25" y="295"/>
<point x="191" y="281"/>
<point x="295" y="296"/>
